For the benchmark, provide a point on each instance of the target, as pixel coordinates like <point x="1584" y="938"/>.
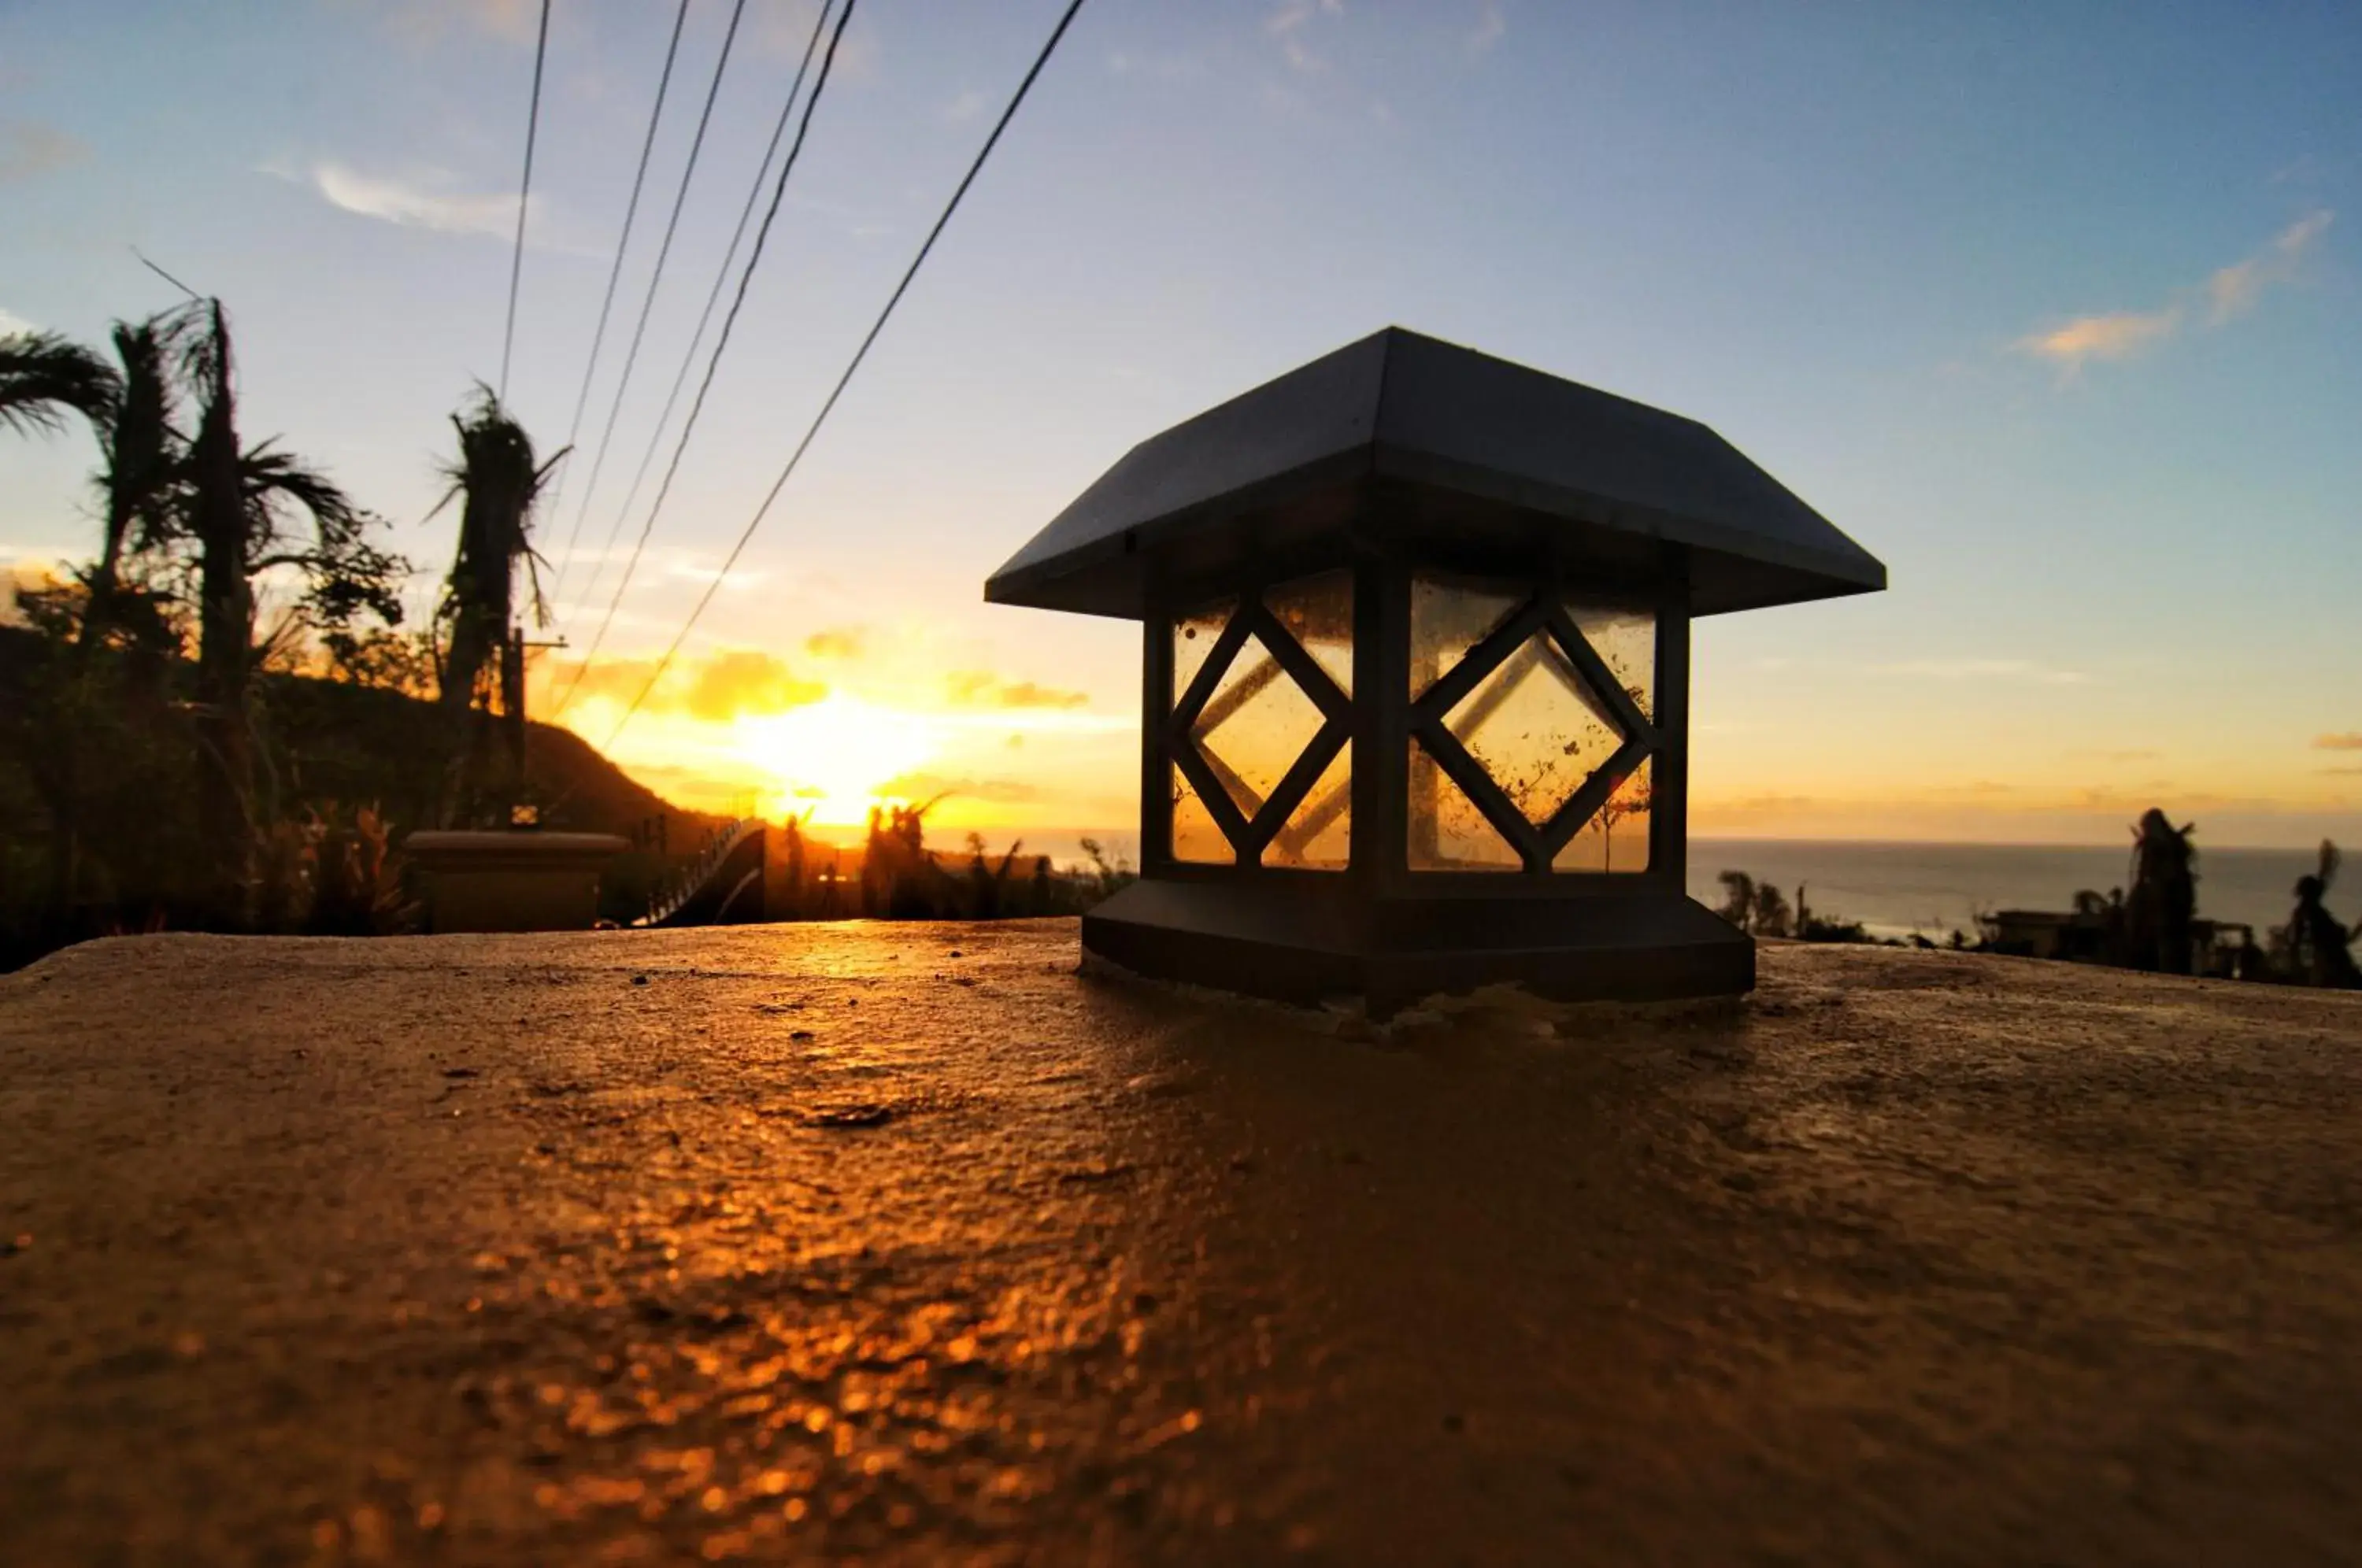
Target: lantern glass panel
<point x="1255" y="726"/>
<point x="1447" y="832"/>
<point x="1626" y="642"/>
<point x="1616" y="839"/>
<point x="1448" y="617"/>
<point x="1319" y="835"/>
<point x="1317" y="611"/>
<point x="1536" y="727"/>
<point x="1197" y="839"/>
<point x="1194" y="637"/>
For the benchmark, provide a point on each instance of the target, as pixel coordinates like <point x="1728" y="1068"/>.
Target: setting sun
<point x="836" y="758"/>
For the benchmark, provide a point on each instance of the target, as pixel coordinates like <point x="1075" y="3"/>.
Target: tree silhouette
<point x="497" y="483"/>
<point x="129" y="407"/>
<point x="2164" y="895"/>
<point x="44" y="376"/>
<point x="2320" y="948"/>
<point x="243" y="513"/>
<point x="1739" y="899"/>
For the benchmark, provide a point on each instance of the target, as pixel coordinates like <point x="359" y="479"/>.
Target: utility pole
<point x="513" y="714"/>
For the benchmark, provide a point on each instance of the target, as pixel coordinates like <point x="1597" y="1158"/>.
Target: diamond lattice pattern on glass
<point x="1447" y="832"/>
<point x="1255" y="725"/>
<point x="1197" y="838"/>
<point x="1626" y="642"/>
<point x="1317" y="611"/>
<point x="1536" y="727"/>
<point x="1194" y="637"/>
<point x="1319" y="835"/>
<point x="1616" y="839"/>
<point x="1448" y="617"/>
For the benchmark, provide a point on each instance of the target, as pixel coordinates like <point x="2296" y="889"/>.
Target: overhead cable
<point x="524" y="197"/>
<point x="713" y="363"/>
<point x="614" y="276"/>
<point x="859" y="354"/>
<point x="656" y="278"/>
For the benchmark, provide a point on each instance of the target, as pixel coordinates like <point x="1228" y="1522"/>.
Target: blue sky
<point x="2055" y="310"/>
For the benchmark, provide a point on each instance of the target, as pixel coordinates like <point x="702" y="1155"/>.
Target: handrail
<point x="689" y="878"/>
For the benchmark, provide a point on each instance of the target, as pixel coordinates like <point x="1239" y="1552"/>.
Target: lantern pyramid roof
<point x="1469" y="443"/>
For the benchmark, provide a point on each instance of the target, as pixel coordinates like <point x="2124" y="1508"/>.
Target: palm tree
<point x="142" y="448"/>
<point x="2163" y="899"/>
<point x="498" y="483"/>
<point x="2318" y="945"/>
<point x="45" y="376"/>
<point x="232" y="505"/>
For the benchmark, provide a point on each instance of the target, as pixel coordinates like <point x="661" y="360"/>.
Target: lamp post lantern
<point x="1416" y="705"/>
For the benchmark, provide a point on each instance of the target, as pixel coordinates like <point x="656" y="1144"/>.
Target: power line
<point x="166" y="276"/>
<point x="859" y="354"/>
<point x="681" y="198"/>
<point x="615" y="276"/>
<point x="704" y="319"/>
<point x="525" y="195"/>
<point x="720" y="343"/>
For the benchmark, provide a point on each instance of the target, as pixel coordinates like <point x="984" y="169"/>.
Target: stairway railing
<point x="690" y="878"/>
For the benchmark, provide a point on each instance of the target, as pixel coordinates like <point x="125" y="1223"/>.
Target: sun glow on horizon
<point x="837" y="759"/>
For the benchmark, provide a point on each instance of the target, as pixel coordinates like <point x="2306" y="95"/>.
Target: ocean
<point x="1896" y="889"/>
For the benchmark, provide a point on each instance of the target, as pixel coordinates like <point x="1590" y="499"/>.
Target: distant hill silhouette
<point x="337" y="744"/>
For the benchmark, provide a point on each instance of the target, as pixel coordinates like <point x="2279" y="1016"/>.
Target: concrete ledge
<point x="524" y="881"/>
<point x="907" y="1245"/>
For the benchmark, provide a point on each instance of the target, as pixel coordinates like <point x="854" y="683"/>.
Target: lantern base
<point x="1298" y="941"/>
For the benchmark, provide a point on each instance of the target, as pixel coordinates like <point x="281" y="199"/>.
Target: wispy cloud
<point x="837" y="641"/>
<point x="1166" y="68"/>
<point x="2350" y="741"/>
<point x="29" y="150"/>
<point x="2231" y="292"/>
<point x="2111" y="336"/>
<point x="965" y="106"/>
<point x="10" y="322"/>
<point x="2014" y="669"/>
<point x="931" y="786"/>
<point x="2234" y="290"/>
<point x="780" y="28"/>
<point x="430" y="21"/>
<point x="981" y="688"/>
<point x="429" y="198"/>
<point x="1490" y="26"/>
<point x="715" y="689"/>
<point x="1291" y="22"/>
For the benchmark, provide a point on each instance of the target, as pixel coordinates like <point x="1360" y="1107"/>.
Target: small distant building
<point x="2078" y="936"/>
<point x="2217" y="947"/>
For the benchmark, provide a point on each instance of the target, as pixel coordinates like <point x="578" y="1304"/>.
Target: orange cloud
<point x="716" y="689"/>
<point x="2110" y="336"/>
<point x="2350" y="741"/>
<point x="837" y="641"/>
<point x="925" y="786"/>
<point x="2235" y="288"/>
<point x="747" y="681"/>
<point x="982" y="689"/>
<point x="2228" y="293"/>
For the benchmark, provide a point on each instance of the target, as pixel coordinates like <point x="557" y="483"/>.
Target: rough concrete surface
<point x="912" y="1244"/>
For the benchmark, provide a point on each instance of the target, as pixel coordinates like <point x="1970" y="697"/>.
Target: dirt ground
<point x="912" y="1244"/>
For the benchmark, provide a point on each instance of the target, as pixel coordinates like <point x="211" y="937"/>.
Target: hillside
<point x="331" y="746"/>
